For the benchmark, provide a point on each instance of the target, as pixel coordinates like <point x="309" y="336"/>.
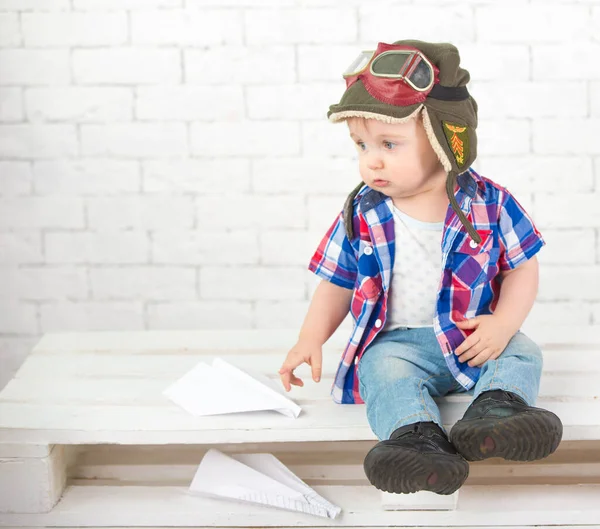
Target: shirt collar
<point x="467" y="183"/>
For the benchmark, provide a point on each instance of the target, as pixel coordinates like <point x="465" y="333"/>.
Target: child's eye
<point x="389" y="145"/>
<point x="361" y="145"/>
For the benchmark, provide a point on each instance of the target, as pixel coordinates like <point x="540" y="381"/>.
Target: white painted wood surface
<point x="32" y="484"/>
<point x="318" y="463"/>
<point x="94" y="388"/>
<point x="80" y="388"/>
<point x="28" y="450"/>
<point x="395" y="526"/>
<point x="173" y="507"/>
<point x="419" y="501"/>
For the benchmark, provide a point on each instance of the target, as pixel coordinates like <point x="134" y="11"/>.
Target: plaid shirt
<point x="469" y="286"/>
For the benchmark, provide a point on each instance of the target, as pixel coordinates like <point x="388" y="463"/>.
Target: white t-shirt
<point x="417" y="272"/>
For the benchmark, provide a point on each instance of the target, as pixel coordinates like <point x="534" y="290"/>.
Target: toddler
<point x="437" y="266"/>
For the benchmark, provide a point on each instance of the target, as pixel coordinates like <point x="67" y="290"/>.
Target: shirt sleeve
<point x="520" y="240"/>
<point x="334" y="259"/>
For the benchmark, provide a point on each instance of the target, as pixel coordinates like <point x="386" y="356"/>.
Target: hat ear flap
<point x="453" y="126"/>
<point x="435" y="144"/>
<point x="349" y="211"/>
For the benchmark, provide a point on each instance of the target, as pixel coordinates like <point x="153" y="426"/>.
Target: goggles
<point x="394" y="74"/>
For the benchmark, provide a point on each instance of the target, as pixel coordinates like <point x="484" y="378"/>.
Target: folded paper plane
<point x="258" y="478"/>
<point x="224" y="388"/>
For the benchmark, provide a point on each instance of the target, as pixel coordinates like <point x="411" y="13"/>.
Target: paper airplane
<point x="225" y="388"/>
<point x="258" y="478"/>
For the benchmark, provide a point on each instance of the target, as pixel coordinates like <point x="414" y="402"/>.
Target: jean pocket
<point x="362" y="390"/>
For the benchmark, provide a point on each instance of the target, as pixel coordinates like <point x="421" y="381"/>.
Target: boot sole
<point x="397" y="469"/>
<point x="525" y="437"/>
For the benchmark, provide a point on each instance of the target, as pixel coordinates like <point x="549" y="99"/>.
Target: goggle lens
<point x="411" y="66"/>
<point x="359" y="64"/>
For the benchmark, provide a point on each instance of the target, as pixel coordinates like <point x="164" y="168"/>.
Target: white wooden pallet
<point x="132" y="506"/>
<point x="83" y="400"/>
<point x="395" y="526"/>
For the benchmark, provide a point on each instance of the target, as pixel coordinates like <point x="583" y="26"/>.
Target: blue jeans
<point x="402" y="370"/>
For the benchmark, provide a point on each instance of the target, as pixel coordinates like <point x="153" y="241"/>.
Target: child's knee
<point x="526" y="349"/>
<point x="385" y="370"/>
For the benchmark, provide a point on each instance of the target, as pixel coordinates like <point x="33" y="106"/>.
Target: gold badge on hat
<point x="458" y="139"/>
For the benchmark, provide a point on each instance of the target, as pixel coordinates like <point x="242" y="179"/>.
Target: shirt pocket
<point x="471" y="261"/>
<point x="370" y="287"/>
<point x="366" y="293"/>
<point x="368" y="281"/>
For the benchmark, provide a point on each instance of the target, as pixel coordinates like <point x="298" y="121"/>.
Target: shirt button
<point x="368" y="250"/>
<point x="473" y="244"/>
<point x="378" y="323"/>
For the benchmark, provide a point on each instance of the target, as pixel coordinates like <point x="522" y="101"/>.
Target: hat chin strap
<point x="450" y="183"/>
<point x="451" y="179"/>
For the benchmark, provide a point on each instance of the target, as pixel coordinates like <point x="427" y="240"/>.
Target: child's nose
<point x="374" y="161"/>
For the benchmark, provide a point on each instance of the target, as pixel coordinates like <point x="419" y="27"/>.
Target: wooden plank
<point x="419" y="501"/>
<point x="32" y="484"/>
<point x="318" y="463"/>
<point x="169" y="367"/>
<point x="259" y="339"/>
<point x="573" y="358"/>
<point x="333" y="473"/>
<point x="130" y="378"/>
<point x="175" y="363"/>
<point x="88" y="423"/>
<point x="24" y="450"/>
<point x="128" y="363"/>
<point x="168" y="424"/>
<point x="293" y="452"/>
<point x="382" y="527"/>
<point x="126" y="391"/>
<point x="92" y="506"/>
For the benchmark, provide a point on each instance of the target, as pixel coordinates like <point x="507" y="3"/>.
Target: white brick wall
<point x="186" y="27"/>
<point x="59" y="30"/>
<point x="168" y="163"/>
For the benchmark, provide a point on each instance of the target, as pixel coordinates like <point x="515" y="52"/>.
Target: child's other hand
<point x="311" y="353"/>
<point x="486" y="342"/>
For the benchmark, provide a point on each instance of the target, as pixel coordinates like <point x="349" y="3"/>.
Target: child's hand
<point x="487" y="342"/>
<point x="311" y="353"/>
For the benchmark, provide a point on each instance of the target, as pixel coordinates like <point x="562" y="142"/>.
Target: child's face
<point x="396" y="159"/>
